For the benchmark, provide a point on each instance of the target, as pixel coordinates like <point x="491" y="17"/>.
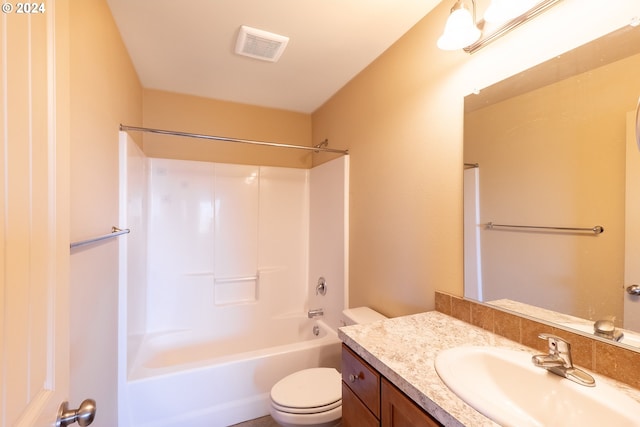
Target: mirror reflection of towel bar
<point x="595" y="229"/>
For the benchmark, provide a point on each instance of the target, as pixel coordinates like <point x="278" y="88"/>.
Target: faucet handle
<point x="557" y="345"/>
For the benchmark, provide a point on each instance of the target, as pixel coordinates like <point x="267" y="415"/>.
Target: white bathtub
<point x="178" y="379"/>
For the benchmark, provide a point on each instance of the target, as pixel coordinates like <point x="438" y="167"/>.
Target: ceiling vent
<point x="260" y="44"/>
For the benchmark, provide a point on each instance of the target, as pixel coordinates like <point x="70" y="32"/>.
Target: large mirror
<point x="551" y="220"/>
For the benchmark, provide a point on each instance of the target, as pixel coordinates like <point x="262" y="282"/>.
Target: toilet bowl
<point x="313" y="397"/>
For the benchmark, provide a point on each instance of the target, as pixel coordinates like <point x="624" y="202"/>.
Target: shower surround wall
<point x="229" y="249"/>
<point x="227" y="246"/>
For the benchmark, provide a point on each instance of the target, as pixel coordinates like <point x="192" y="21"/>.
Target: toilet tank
<point x="360" y="316"/>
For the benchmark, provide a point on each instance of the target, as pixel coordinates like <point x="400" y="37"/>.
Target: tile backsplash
<point x="615" y="362"/>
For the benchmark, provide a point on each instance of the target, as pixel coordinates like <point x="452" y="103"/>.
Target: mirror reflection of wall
<point x="555" y="156"/>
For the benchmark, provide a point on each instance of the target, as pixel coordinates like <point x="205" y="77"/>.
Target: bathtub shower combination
<point x="216" y="279"/>
<point x="176" y="381"/>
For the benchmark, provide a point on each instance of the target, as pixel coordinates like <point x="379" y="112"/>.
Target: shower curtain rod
<point x="319" y="147"/>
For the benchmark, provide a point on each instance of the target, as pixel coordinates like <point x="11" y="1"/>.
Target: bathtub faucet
<point x="316" y="312"/>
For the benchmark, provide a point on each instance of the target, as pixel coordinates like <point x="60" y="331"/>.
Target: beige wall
<point x="402" y="120"/>
<point x="104" y="92"/>
<point x="556" y="156"/>
<point x="176" y="112"/>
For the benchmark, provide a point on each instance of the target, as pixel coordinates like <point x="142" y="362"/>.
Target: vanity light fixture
<point x="501" y="11"/>
<point x="462" y="31"/>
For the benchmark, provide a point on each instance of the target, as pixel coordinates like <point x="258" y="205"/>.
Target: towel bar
<point x="595" y="229"/>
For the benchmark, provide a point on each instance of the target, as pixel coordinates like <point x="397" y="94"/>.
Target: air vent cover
<point x="260" y="44"/>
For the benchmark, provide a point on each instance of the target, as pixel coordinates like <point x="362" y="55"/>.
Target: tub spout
<point x="316" y="312"/>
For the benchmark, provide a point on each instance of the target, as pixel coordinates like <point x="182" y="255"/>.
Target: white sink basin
<point x="505" y="386"/>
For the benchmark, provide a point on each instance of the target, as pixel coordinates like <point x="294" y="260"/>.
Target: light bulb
<point x="500" y="11"/>
<point x="459" y="31"/>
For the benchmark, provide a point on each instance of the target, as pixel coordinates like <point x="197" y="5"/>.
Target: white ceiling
<point x="187" y="46"/>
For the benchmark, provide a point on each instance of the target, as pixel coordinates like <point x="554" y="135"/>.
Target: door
<point x="34" y="233"/>
<point x="632" y="226"/>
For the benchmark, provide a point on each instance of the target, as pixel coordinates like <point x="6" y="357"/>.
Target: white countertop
<point x="403" y="349"/>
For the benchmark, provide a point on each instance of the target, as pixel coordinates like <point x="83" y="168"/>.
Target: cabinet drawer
<point x="362" y="379"/>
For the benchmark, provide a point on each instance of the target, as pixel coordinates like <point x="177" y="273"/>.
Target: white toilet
<point x="313" y="397"/>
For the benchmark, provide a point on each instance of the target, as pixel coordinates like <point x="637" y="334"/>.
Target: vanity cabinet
<point x="370" y="400"/>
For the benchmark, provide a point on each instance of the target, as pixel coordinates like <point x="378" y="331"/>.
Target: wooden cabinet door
<point x="400" y="411"/>
<point x="354" y="413"/>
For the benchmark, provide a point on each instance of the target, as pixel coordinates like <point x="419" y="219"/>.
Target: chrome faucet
<point x="559" y="361"/>
<point x="316" y="312"/>
<point x="606" y="329"/>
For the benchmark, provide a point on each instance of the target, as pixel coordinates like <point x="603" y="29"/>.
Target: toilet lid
<point x="309" y="388"/>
